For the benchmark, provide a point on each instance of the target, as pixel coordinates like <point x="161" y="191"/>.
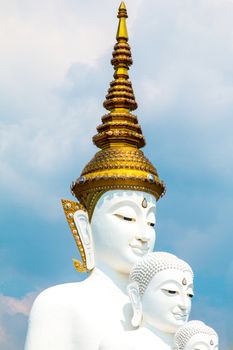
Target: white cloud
<point x="184" y="85"/>
<point x="13" y="306"/>
<point x="13" y="320"/>
<point x="49" y="50"/>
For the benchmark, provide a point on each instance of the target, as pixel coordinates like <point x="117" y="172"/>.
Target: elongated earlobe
<point x="135" y="298"/>
<point x="84" y="229"/>
<point x="78" y="222"/>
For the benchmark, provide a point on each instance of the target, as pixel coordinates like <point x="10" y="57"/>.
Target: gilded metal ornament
<point x="120" y="164"/>
<point x="70" y="208"/>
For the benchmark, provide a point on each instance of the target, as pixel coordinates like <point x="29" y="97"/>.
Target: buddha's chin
<point x="123" y="263"/>
<point x="177" y="321"/>
<point x="171" y="324"/>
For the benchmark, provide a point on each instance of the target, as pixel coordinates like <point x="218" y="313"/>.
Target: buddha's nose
<point x="143" y="236"/>
<point x="184" y="303"/>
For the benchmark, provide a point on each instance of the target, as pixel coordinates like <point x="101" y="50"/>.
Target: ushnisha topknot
<point x="187" y="331"/>
<point x="145" y="269"/>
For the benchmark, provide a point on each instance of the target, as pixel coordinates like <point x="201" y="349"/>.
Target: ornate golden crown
<point x="120" y="164"/>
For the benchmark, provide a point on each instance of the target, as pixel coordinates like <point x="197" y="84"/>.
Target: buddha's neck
<point x="119" y="279"/>
<point x="167" y="338"/>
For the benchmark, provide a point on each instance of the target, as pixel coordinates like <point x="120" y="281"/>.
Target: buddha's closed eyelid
<point x="126" y="218"/>
<point x="190" y="295"/>
<point x="170" y="292"/>
<point x="152" y="224"/>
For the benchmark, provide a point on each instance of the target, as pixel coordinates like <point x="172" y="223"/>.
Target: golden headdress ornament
<point x="120" y="164"/>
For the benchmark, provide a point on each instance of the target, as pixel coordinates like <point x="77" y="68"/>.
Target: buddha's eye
<point x="190" y="295"/>
<point x="170" y="292"/>
<point x="152" y="224"/>
<point x="173" y="292"/>
<point x="126" y="218"/>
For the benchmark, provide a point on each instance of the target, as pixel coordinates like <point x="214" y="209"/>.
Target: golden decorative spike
<point x="70" y="208"/>
<point x="122" y="33"/>
<point x="120" y="164"/>
<point x="120" y="127"/>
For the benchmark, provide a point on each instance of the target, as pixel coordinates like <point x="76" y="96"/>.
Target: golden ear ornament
<point x="70" y="207"/>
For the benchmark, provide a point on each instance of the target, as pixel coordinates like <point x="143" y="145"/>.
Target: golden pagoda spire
<point x="120" y="127"/>
<point x="119" y="164"/>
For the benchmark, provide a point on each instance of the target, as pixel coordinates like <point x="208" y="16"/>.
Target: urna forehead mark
<point x="144" y="203"/>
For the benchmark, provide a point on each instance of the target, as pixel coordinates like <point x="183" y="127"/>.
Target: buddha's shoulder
<point x="68" y="294"/>
<point x="63" y="294"/>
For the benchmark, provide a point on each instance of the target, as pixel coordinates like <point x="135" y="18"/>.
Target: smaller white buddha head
<point x="196" y="335"/>
<point x="160" y="290"/>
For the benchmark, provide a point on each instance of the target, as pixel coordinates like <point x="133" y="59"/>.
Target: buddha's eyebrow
<point x="123" y="202"/>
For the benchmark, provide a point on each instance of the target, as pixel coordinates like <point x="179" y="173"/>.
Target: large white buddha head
<point x="123" y="228"/>
<point x="196" y="335"/>
<point x="160" y="290"/>
<point x="118" y="188"/>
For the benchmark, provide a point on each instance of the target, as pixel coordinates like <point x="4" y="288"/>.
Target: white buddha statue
<point x="77" y="315"/>
<point x="112" y="224"/>
<point x="196" y="335"/>
<point x="160" y="291"/>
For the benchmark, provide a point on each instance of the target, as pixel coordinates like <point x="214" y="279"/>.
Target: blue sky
<point x="55" y="71"/>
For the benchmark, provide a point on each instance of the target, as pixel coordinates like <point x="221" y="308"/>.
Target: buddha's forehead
<point x="124" y="197"/>
<point x="173" y="275"/>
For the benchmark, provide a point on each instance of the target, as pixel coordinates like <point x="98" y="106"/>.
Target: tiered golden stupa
<point x="120" y="164"/>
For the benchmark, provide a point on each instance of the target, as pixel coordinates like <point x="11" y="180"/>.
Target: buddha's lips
<point x="139" y="248"/>
<point x="180" y="316"/>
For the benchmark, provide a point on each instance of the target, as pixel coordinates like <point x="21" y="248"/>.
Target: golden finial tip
<point x="122" y="33"/>
<point x="122" y="11"/>
<point x="122" y="6"/>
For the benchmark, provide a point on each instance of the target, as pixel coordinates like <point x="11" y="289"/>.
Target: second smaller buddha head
<point x="196" y="335"/>
<point x="160" y="290"/>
